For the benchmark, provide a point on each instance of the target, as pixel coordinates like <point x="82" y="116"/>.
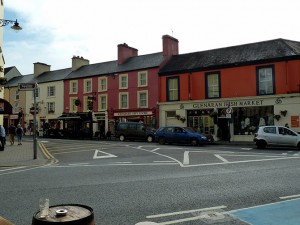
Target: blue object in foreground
<point x="286" y="212"/>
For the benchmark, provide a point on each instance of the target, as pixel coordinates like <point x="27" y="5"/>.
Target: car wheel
<point x="298" y="145"/>
<point x="194" y="142"/>
<point x="161" y="141"/>
<point x="150" y="138"/>
<point x="122" y="137"/>
<point x="261" y="144"/>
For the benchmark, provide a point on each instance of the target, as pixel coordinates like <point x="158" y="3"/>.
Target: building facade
<point x="230" y="92"/>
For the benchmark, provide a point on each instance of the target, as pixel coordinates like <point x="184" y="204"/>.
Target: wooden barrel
<point x="69" y="214"/>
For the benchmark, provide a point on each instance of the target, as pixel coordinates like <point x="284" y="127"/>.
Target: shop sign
<point x="228" y="104"/>
<point x="13" y="117"/>
<point x="146" y="113"/>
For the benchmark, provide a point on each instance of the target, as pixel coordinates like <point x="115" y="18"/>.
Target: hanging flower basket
<point x="277" y="117"/>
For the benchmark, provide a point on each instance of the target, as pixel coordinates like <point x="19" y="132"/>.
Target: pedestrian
<point x="12" y="133"/>
<point x="2" y="137"/>
<point x="19" y="133"/>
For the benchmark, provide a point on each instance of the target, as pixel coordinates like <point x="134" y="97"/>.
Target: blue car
<point x="179" y="135"/>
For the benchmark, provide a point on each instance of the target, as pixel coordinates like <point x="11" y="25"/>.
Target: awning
<point x="68" y="118"/>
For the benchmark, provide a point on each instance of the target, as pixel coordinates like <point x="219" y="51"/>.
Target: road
<point x="133" y="182"/>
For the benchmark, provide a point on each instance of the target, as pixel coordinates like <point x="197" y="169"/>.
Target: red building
<point x="229" y="92"/>
<point x="102" y="94"/>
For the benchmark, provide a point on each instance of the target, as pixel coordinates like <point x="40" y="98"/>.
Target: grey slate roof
<point x="20" y="79"/>
<point x="254" y="53"/>
<point x="52" y="76"/>
<point x="133" y="63"/>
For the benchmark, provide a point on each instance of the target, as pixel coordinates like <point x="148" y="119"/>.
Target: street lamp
<point x="16" y="26"/>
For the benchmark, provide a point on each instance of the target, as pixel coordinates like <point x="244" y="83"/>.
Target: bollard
<point x="69" y="214"/>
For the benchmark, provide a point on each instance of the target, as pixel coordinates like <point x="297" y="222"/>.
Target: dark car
<point x="180" y="135"/>
<point x="134" y="131"/>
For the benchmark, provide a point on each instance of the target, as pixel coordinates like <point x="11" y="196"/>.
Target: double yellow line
<point x="47" y="154"/>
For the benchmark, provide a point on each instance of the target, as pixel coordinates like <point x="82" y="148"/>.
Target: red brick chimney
<point x="170" y="46"/>
<point x="125" y="52"/>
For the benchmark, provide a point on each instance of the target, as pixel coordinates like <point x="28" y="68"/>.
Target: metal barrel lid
<point x="68" y="214"/>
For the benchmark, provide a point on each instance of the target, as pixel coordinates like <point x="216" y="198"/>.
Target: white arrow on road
<point x="106" y="155"/>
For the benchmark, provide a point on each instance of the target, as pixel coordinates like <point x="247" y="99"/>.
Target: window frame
<point x="258" y="87"/>
<point x="120" y="100"/>
<point x="140" y="78"/>
<point x="139" y="99"/>
<point x="72" y="87"/>
<point x="100" y="103"/>
<point x="121" y="83"/>
<point x="100" y="79"/>
<point x="168" y="88"/>
<point x="85" y="88"/>
<point x="50" y="107"/>
<point x="207" y="86"/>
<point x="49" y="91"/>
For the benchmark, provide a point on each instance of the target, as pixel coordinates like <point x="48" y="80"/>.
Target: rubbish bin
<point x="41" y="133"/>
<point x="69" y="214"/>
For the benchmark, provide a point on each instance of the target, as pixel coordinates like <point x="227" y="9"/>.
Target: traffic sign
<point x="27" y="86"/>
<point x="32" y="109"/>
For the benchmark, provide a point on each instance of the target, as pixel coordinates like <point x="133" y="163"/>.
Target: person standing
<point x="2" y="137"/>
<point x="19" y="133"/>
<point x="12" y="133"/>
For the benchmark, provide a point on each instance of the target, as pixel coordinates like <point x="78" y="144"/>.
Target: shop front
<point x="233" y="119"/>
<point x="145" y="116"/>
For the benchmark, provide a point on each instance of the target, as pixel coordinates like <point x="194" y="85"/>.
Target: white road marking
<point x="291" y="196"/>
<point x="221" y="158"/>
<point x="154" y="149"/>
<point x="123" y="162"/>
<point x="106" y="155"/>
<point x="163" y="161"/>
<point x="247" y="149"/>
<point x="14" y="168"/>
<point x="78" y="164"/>
<point x="186" y="158"/>
<point x="187" y="211"/>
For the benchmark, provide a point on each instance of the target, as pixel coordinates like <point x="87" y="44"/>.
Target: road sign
<point x="32" y="109"/>
<point x="27" y="86"/>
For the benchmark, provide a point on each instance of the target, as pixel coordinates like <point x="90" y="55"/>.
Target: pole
<point x="34" y="124"/>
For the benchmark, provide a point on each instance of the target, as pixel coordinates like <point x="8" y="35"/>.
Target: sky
<point x="56" y="30"/>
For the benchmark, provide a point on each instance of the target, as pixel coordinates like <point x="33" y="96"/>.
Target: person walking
<point x="12" y="133"/>
<point x="19" y="133"/>
<point x="2" y="137"/>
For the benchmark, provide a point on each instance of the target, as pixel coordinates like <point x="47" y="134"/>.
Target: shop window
<point x="248" y="119"/>
<point x="173" y="89"/>
<point x="265" y="80"/>
<point x="213" y="85"/>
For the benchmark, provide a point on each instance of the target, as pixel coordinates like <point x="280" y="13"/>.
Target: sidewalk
<point x="22" y="155"/>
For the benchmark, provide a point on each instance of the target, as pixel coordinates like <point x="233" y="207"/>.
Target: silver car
<point x="276" y="136"/>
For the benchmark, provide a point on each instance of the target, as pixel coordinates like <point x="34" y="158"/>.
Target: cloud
<point x="54" y="31"/>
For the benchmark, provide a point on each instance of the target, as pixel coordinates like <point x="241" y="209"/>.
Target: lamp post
<point x="16" y="25"/>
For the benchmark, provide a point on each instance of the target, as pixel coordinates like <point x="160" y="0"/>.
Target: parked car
<point x="134" y="131"/>
<point x="180" y="135"/>
<point x="276" y="136"/>
<point x="210" y="137"/>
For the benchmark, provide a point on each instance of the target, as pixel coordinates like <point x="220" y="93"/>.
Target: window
<point x="265" y="80"/>
<point x="51" y="91"/>
<point x="37" y="93"/>
<point x="88" y="86"/>
<point x="51" y="107"/>
<point x="143" y="99"/>
<point x="73" y="107"/>
<point x="142" y="79"/>
<point x="123" y="81"/>
<point x="73" y="87"/>
<point x="171" y="114"/>
<point x="17" y="95"/>
<point x="173" y="89"/>
<point x="102" y="84"/>
<point x="102" y="102"/>
<point x="123" y="100"/>
<point x="212" y="85"/>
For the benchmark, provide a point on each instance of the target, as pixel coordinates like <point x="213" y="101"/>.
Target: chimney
<point x="78" y="62"/>
<point x="39" y="68"/>
<point x="125" y="52"/>
<point x="170" y="46"/>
